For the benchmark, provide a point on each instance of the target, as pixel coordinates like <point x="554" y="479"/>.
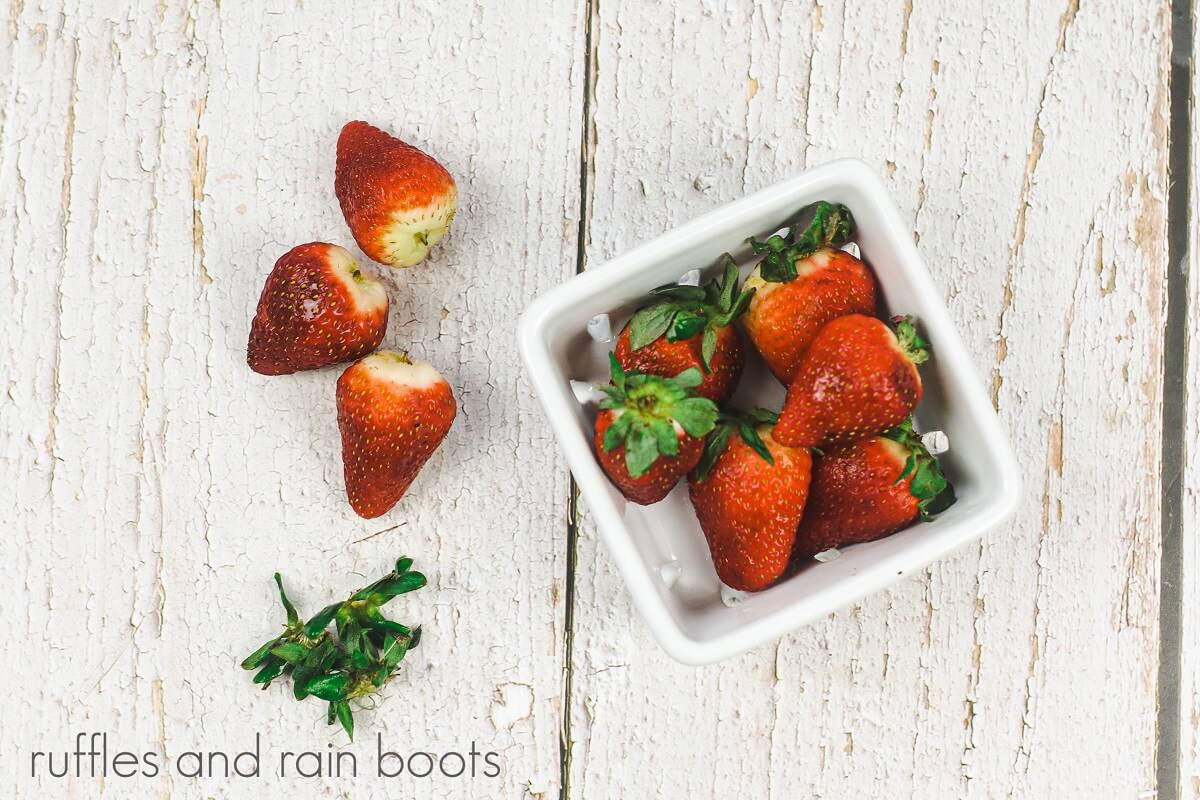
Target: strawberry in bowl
<point x="650" y="431"/>
<point x="690" y="327"/>
<point x="802" y="283"/>
<point x="869" y="489"/>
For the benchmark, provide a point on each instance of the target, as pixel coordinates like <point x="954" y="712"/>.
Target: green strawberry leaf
<point x="915" y="348"/>
<point x="650" y="323"/>
<point x="330" y="687"/>
<point x="345" y="716"/>
<point x="763" y="416"/>
<point x="750" y="436"/>
<point x="688" y="379"/>
<point x="400" y="584"/>
<point x="292" y="617"/>
<point x="641" y="451"/>
<point x="664" y="434"/>
<point x="708" y="347"/>
<point x="729" y="283"/>
<point x="291" y="652"/>
<point x="318" y="623"/>
<point x="272" y="668"/>
<point x="617" y="432"/>
<point x="714" y="446"/>
<point x="696" y="415"/>
<point x="686" y="325"/>
<point x="618" y="374"/>
<point x="938" y="503"/>
<point x="686" y="294"/>
<point x="256" y="659"/>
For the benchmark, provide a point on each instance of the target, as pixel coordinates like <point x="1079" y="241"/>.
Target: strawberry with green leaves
<point x="650" y="430"/>
<point x="690" y="327"/>
<point x="871" y="488"/>
<point x="749" y="492"/>
<point x="803" y="282"/>
<point x="858" y="377"/>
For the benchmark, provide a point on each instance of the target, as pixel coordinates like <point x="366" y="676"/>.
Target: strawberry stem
<point x="915" y="348"/>
<point x="830" y="225"/>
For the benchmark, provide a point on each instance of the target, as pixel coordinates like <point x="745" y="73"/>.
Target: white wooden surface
<point x="154" y="161"/>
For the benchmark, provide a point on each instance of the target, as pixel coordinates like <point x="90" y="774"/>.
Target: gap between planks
<point x="1170" y="621"/>
<point x="591" y="13"/>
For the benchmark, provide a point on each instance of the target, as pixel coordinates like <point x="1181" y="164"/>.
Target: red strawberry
<point x="784" y="318"/>
<point x="690" y="326"/>
<point x="317" y="308"/>
<point x="856" y="379"/>
<point x="802" y="283"/>
<point x="749" y="493"/>
<point x="868" y="489"/>
<point x="393" y="413"/>
<point x="397" y="200"/>
<point x="649" y="431"/>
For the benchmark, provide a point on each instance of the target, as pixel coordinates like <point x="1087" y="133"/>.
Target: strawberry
<point x="802" y="283"/>
<point x="690" y="327"/>
<point x="317" y="308"/>
<point x="749" y="493"/>
<point x="857" y="378"/>
<point x="649" y="431"/>
<point x="870" y="488"/>
<point x="393" y="412"/>
<point x="397" y="200"/>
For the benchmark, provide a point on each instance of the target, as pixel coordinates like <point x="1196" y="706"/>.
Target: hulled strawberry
<point x="749" y="492"/>
<point x="690" y="327"/>
<point x="316" y="308"/>
<point x="650" y="430"/>
<point x="802" y="283"/>
<point x="871" y="488"/>
<point x="397" y="200"/>
<point x="858" y="377"/>
<point x="393" y="412"/>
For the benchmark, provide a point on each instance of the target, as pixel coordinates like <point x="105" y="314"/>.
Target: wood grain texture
<point x="154" y="162"/>
<point x="1028" y="147"/>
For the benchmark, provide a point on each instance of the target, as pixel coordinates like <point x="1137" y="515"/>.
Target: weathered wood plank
<point x="1029" y="148"/>
<point x="154" y="163"/>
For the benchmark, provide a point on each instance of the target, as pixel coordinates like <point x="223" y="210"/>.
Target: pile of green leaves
<point x="681" y="312"/>
<point x="822" y="224"/>
<point x="649" y="405"/>
<point x="929" y="485"/>
<point x="355" y="659"/>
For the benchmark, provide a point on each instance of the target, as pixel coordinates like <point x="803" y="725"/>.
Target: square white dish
<point x="683" y="603"/>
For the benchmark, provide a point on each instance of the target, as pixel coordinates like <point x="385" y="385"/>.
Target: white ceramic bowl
<point x="660" y="549"/>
